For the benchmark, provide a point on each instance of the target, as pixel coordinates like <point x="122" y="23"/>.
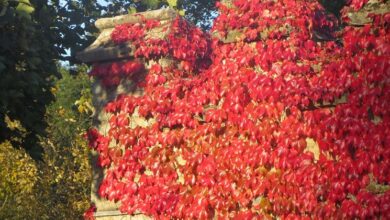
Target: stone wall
<point x="103" y="50"/>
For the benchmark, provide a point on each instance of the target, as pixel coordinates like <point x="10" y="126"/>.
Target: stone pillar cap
<point x="160" y="15"/>
<point x="103" y="49"/>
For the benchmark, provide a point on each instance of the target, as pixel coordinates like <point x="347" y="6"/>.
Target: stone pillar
<point x="103" y="50"/>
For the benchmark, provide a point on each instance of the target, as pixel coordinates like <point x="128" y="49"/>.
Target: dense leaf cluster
<point x="59" y="185"/>
<point x="26" y="68"/>
<point x="34" y="36"/>
<point x="43" y="108"/>
<point x="291" y="119"/>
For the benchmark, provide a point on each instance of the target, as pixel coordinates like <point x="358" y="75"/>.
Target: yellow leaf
<point x="132" y="10"/>
<point x="172" y="3"/>
<point x="312" y="146"/>
<point x="24" y="8"/>
<point x="182" y="12"/>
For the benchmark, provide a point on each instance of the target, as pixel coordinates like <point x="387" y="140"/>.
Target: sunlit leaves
<point x="279" y="123"/>
<point x="24" y="8"/>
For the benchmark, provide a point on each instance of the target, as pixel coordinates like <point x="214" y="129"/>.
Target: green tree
<point x="27" y="71"/>
<point x="200" y="12"/>
<point x="18" y="176"/>
<point x="75" y="23"/>
<point x="34" y="36"/>
<point x="58" y="187"/>
<point x="65" y="173"/>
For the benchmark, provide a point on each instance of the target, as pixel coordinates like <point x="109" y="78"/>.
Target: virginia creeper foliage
<point x="291" y="120"/>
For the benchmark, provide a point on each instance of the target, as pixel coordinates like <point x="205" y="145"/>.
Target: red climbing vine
<point x="112" y="73"/>
<point x="290" y="120"/>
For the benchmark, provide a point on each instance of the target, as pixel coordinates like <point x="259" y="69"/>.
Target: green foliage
<point x="69" y="115"/>
<point x="172" y="3"/>
<point x="24" y="8"/>
<point x="34" y="35"/>
<point x="18" y="176"/>
<point x="58" y="187"/>
<point x="65" y="183"/>
<point x="200" y="12"/>
<point x="27" y="70"/>
<point x="75" y="21"/>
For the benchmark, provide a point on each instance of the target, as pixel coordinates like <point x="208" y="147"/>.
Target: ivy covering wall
<point x="282" y="112"/>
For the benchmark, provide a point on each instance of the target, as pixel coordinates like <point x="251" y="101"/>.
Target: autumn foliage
<point x="292" y="119"/>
